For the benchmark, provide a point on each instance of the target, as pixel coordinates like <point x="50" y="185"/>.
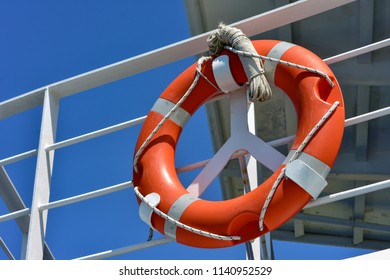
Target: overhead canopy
<point x="361" y="221"/>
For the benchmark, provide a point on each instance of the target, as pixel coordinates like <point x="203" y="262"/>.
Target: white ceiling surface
<point x="364" y="158"/>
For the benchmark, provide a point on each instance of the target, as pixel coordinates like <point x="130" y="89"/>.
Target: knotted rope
<point x="230" y="36"/>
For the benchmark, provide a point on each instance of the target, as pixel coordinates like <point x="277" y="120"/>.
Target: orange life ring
<point x="312" y="97"/>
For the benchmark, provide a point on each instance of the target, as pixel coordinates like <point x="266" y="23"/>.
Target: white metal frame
<point x="51" y="95"/>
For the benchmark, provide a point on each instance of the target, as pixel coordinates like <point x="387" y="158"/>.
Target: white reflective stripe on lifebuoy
<point x="308" y="172"/>
<point x="223" y="75"/>
<point x="163" y="106"/>
<point x="276" y="52"/>
<point x="146" y="211"/>
<point x="176" y="211"/>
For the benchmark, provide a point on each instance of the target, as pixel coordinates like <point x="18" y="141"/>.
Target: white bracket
<point x="146" y="209"/>
<point x="241" y="139"/>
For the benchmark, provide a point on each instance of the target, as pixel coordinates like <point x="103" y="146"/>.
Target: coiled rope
<point x="259" y="88"/>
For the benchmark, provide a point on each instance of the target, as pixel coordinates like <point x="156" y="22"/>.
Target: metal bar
<point x="348" y="194"/>
<point x="356" y="52"/>
<point x="254" y="25"/>
<point x="358" y="177"/>
<point x="247" y="188"/>
<point x="14" y="203"/>
<point x="250" y="176"/>
<point x="41" y="194"/>
<point x="21" y="103"/>
<point x="6" y="250"/>
<point x="18" y="157"/>
<point x="281" y="141"/>
<point x="12" y="199"/>
<point x="342" y="222"/>
<point x="95" y="134"/>
<point x="85" y="196"/>
<point x="14" y="215"/>
<point x="126" y="249"/>
<point x="366" y="117"/>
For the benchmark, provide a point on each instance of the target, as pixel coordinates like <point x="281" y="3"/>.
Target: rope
<point x="150" y="237"/>
<point x="259" y="88"/>
<point x="180" y="224"/>
<point x="294" y="156"/>
<point x="279" y="61"/>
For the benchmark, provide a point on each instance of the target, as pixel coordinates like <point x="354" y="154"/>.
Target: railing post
<point x="259" y="248"/>
<point x="41" y="194"/>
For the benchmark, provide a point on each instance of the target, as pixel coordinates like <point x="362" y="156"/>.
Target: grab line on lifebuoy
<point x="313" y="100"/>
<point x="179" y="224"/>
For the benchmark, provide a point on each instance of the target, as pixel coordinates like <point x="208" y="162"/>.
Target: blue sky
<point x="45" y="41"/>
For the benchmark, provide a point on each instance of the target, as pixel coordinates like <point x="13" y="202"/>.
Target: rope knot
<point x="230" y="36"/>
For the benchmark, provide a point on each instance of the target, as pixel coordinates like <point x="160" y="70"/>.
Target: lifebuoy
<point x="312" y="97"/>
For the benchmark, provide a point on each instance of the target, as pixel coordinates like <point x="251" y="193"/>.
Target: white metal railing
<point x="320" y="201"/>
<point x="95" y="134"/>
<point x="14" y="215"/>
<point x="18" y="157"/>
<point x="6" y="250"/>
<point x="153" y="59"/>
<point x="78" y="198"/>
<point x="85" y="196"/>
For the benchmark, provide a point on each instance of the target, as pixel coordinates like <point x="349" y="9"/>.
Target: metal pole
<point x="248" y="165"/>
<point x="348" y="194"/>
<point x="41" y="194"/>
<point x="6" y="250"/>
<point x="366" y="117"/>
<point x="18" y="157"/>
<point x="85" y="196"/>
<point x="358" y="51"/>
<point x="14" y="215"/>
<point x="126" y="249"/>
<point x="95" y="134"/>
